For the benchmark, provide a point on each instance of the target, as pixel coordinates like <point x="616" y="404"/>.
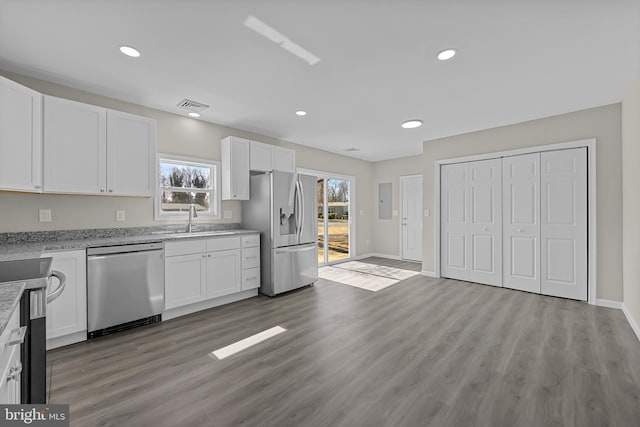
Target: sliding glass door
<point x="334" y="218"/>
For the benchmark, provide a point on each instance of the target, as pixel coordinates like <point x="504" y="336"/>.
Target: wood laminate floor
<point x="424" y="352"/>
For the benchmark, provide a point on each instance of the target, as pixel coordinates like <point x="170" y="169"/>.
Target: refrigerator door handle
<point x="302" y="209"/>
<point x="298" y="248"/>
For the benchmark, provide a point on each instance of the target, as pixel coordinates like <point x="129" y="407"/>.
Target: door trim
<point x="401" y="204"/>
<point x="352" y="206"/>
<point x="590" y="145"/>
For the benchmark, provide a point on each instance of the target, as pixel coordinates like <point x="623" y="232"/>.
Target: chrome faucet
<point x="193" y="213"/>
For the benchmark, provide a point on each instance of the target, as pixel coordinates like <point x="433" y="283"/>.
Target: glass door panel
<point x="337" y="219"/>
<point x="321" y="215"/>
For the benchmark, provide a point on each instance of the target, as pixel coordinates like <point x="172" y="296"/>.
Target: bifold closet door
<point x="454" y="188"/>
<point x="485" y="222"/>
<point x="471" y="231"/>
<point x="564" y="223"/>
<point x="521" y="222"/>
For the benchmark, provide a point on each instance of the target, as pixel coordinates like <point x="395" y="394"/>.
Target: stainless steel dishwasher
<point x="125" y="287"/>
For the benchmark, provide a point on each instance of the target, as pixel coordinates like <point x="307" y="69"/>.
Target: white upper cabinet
<point x="265" y="158"/>
<point x="20" y="137"/>
<point x="235" y="168"/>
<point x="75" y="147"/>
<point x="93" y="150"/>
<point x="131" y="148"/>
<point x="284" y="159"/>
<point x="261" y="157"/>
<point x="240" y="156"/>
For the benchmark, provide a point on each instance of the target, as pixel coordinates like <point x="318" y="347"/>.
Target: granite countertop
<point x="21" y="245"/>
<point x="10" y="294"/>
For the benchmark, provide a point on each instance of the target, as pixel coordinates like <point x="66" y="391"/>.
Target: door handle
<point x="63" y="281"/>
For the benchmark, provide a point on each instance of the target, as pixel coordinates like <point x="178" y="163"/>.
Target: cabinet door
<point x="20" y="137"/>
<point x="67" y="314"/>
<point x="223" y="273"/>
<point x="10" y="379"/>
<point x="284" y="159"/>
<point x="74" y="147"/>
<point x="131" y="149"/>
<point x="184" y="280"/>
<point x="235" y="168"/>
<point x="261" y="157"/>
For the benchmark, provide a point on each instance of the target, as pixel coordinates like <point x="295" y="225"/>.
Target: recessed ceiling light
<point x="130" y="51"/>
<point x="194" y="114"/>
<point x="410" y="124"/>
<point x="446" y="54"/>
<point x="301" y="113"/>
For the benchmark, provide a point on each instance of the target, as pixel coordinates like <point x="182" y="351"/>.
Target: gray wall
<point x="386" y="238"/>
<point x="631" y="200"/>
<point x="175" y="135"/>
<point x="602" y="123"/>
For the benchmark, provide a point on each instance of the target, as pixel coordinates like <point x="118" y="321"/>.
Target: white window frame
<point x="215" y="195"/>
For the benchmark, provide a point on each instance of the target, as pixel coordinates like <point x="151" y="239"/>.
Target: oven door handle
<point x="62" y="279"/>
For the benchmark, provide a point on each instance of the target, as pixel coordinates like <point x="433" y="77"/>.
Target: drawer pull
<point x="251" y="257"/>
<point x="16" y="337"/>
<point x="250" y="278"/>
<point x="14" y="373"/>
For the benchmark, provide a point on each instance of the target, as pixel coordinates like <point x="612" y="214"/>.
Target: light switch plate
<point x="44" y="215"/>
<point x="361" y="213"/>
<point x="120" y="216"/>
<point x="427" y="212"/>
<point x="395" y="213"/>
<point x="227" y="214"/>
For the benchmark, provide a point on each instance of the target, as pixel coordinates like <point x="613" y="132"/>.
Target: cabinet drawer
<point x="185" y="247"/>
<point x="250" y="257"/>
<point x="251" y="240"/>
<point x="223" y="243"/>
<point x="250" y="278"/>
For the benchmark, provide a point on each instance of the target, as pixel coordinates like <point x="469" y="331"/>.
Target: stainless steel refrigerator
<point x="282" y="207"/>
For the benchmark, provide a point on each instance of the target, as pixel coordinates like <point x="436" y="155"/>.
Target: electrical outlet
<point x="44" y="215"/>
<point x="367" y="243"/>
<point x="120" y="216"/>
<point x="395" y="213"/>
<point x="228" y="214"/>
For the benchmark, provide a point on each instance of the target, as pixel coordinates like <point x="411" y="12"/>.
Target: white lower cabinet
<point x="67" y="314"/>
<point x="223" y="273"/>
<point x="184" y="279"/>
<point x="10" y="366"/>
<point x="203" y="273"/>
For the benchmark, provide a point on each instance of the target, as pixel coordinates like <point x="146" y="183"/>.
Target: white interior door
<point x="411" y="217"/>
<point x="454" y="179"/>
<point x="521" y="222"/>
<point x="564" y="223"/>
<point x="485" y="222"/>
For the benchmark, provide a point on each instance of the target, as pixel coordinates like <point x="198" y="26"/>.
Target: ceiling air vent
<point x="191" y="106"/>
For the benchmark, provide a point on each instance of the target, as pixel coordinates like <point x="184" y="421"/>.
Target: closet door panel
<point x="485" y="222"/>
<point x="454" y="182"/>
<point x="564" y="223"/>
<point x="521" y="222"/>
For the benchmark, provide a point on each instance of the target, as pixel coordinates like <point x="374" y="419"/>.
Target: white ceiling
<point x="518" y="60"/>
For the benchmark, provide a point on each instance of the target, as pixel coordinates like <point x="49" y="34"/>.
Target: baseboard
<point x="172" y="313"/>
<point x="428" y="273"/>
<point x="66" y="340"/>
<point x="396" y="257"/>
<point x="631" y="321"/>
<point x="609" y="303"/>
